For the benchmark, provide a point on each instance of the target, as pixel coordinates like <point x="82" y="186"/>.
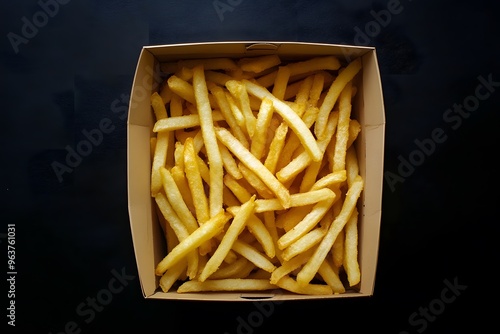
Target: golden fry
<point x="351" y="264"/>
<point x="195" y="182"/>
<point x="333" y="93"/>
<point x="288" y="283"/>
<point x="210" y="140"/>
<point x="228" y="284"/>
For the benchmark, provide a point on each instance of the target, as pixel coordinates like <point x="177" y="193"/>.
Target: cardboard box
<point x="368" y="109"/>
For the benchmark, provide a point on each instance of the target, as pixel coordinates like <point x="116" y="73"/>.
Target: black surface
<point x="439" y="218"/>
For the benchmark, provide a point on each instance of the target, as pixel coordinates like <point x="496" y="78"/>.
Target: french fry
<point x="253" y="255"/>
<point x="352" y="167"/>
<point x="314" y="64"/>
<point x="281" y="82"/>
<point x="288" y="283"/>
<point x="158" y="106"/>
<point x="159" y="160"/>
<point x="228" y="284"/>
<point x="259" y="64"/>
<point x="195" y="182"/>
<point x="304" y="243"/>
<point x="182" y="122"/>
<point x="261" y="126"/>
<point x="275" y="148"/>
<point x="316" y="89"/>
<point x="330" y="179"/>
<point x="179" y="155"/>
<point x="208" y="132"/>
<point x="351" y="264"/>
<point x="333" y="93"/>
<point x="302" y="97"/>
<point x="270" y="223"/>
<point x="182" y="88"/>
<point x="337" y="250"/>
<point x="342" y="133"/>
<point x="300" y="199"/>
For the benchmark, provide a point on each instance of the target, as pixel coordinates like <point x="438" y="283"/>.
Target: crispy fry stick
<point x="228" y="284"/>
<point x="210" y="140"/>
<point x="333" y="93"/>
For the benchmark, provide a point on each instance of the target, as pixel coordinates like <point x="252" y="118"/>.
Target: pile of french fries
<point x="255" y="176"/>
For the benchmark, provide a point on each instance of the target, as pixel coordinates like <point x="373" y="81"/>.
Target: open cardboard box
<point x="368" y="109"/>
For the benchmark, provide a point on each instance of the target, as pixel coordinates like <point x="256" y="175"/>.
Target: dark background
<point x="439" y="219"/>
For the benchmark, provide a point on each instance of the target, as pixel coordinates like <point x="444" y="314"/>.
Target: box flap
<point x="165" y="53"/>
